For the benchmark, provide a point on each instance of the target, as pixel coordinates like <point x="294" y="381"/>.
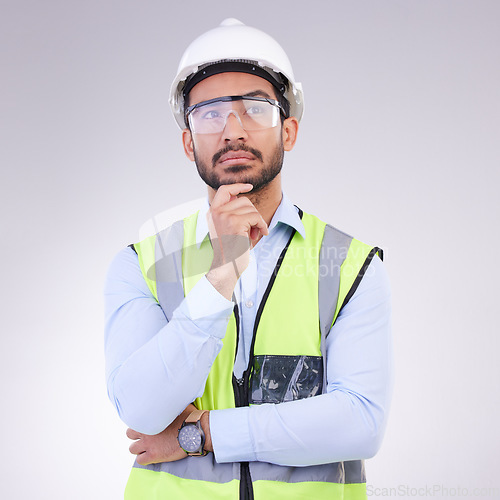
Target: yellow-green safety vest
<point x="313" y="279"/>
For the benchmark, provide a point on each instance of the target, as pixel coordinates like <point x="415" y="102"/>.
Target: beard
<point x="258" y="179"/>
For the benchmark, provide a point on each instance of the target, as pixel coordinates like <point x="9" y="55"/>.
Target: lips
<point x="234" y="157"/>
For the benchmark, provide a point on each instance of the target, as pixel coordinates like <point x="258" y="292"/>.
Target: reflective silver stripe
<point x="333" y="252"/>
<point x="168" y="263"/>
<point x="334" y="248"/>
<point x="355" y="472"/>
<point x="207" y="469"/>
<point x="201" y="468"/>
<point x="327" y="473"/>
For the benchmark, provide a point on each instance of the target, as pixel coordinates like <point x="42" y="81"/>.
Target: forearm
<point x="155" y="369"/>
<point x="327" y="428"/>
<point x="156" y="382"/>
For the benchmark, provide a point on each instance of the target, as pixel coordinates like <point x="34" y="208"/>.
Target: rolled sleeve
<point x="231" y="436"/>
<point x="206" y="309"/>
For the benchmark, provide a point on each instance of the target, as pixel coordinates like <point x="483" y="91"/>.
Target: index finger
<point x="228" y="191"/>
<point x="131" y="434"/>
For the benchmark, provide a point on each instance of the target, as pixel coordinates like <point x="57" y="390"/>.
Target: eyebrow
<point x="258" y="93"/>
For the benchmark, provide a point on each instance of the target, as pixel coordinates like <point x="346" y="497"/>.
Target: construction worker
<point x="248" y="345"/>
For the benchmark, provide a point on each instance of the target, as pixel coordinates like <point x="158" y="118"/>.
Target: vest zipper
<point x="246" y="490"/>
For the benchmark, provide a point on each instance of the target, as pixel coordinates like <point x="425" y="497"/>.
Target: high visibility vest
<point x="313" y="279"/>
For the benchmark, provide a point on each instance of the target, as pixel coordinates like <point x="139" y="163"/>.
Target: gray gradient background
<point x="399" y="146"/>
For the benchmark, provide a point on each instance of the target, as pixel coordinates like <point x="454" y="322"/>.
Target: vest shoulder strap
<point x="145" y="251"/>
<point x="343" y="263"/>
<point x="168" y="254"/>
<point x="333" y="252"/>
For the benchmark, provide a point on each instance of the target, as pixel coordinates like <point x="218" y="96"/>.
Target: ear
<point x="289" y="130"/>
<point x="187" y="141"/>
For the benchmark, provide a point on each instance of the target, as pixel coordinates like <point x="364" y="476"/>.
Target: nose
<point x="233" y="129"/>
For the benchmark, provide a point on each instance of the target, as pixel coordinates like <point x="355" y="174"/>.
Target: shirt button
<point x="249" y="303"/>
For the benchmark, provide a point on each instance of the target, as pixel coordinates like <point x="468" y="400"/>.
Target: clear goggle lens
<point x="253" y="113"/>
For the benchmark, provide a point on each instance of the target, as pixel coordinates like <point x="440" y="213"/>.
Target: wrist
<point x="205" y="425"/>
<point x="223" y="278"/>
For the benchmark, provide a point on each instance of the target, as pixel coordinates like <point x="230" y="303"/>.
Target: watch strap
<point x="194" y="416"/>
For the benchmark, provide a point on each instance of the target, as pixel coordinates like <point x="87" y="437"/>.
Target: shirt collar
<point x="286" y="213"/>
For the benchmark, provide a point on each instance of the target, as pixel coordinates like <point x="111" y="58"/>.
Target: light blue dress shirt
<point x="155" y="368"/>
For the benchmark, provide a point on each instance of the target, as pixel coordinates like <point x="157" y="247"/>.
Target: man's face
<point x="235" y="154"/>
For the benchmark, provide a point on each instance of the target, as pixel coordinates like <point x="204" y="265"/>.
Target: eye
<point x="210" y="114"/>
<point x="255" y="110"/>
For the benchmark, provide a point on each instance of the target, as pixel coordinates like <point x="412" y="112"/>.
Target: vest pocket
<point x="276" y="379"/>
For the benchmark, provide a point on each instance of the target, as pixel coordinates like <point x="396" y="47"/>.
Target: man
<point x="247" y="346"/>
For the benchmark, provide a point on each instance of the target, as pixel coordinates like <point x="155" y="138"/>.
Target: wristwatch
<point x="191" y="436"/>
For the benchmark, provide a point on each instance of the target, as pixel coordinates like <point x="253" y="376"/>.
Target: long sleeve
<point x="348" y="421"/>
<point x="155" y="368"/>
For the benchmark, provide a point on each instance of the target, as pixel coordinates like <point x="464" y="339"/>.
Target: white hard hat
<point x="234" y="42"/>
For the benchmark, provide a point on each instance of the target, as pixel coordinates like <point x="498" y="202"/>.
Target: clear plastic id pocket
<point x="277" y="379"/>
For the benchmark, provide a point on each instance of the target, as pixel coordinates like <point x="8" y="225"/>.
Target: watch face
<point x="190" y="438"/>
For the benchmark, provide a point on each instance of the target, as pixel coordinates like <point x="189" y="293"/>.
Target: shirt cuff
<point x="206" y="308"/>
<point x="230" y="432"/>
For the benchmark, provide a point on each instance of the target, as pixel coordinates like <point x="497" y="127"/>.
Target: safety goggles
<point x="253" y="113"/>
